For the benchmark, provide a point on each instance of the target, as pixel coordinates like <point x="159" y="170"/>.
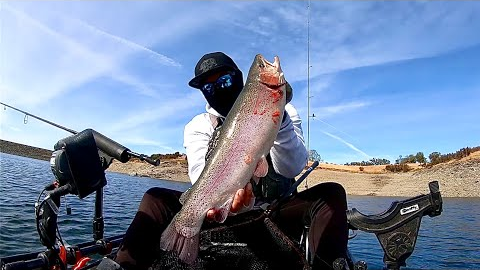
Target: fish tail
<point x="186" y="248"/>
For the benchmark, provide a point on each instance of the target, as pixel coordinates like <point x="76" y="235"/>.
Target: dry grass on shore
<point x="457" y="178"/>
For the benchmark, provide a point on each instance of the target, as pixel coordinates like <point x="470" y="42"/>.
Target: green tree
<point x="420" y="158"/>
<point x="435" y="158"/>
<point x="399" y="160"/>
<point x="314" y="156"/>
<point x="409" y="159"/>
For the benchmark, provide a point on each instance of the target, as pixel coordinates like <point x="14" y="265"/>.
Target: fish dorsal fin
<point x="185" y="195"/>
<point x="262" y="167"/>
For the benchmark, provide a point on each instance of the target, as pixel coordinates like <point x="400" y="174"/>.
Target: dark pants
<point x="323" y="207"/>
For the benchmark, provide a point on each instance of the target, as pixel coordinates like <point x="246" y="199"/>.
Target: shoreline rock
<point x="458" y="178"/>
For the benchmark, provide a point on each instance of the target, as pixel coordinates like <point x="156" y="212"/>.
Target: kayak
<point x="252" y="241"/>
<point x="246" y="241"/>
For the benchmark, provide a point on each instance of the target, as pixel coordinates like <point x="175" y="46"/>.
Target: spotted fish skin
<point x="246" y="137"/>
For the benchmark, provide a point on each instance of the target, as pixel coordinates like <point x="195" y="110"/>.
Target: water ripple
<point x="450" y="241"/>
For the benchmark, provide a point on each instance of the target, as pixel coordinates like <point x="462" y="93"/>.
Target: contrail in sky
<point x="24" y="16"/>
<point x="347" y="144"/>
<point x="334" y="127"/>
<point x="164" y="59"/>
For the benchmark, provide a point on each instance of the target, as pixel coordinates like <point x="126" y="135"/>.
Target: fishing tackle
<point x="25" y="120"/>
<point x="103" y="143"/>
<point x="78" y="163"/>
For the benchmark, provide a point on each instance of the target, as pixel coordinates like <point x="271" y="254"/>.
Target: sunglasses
<point x="222" y="82"/>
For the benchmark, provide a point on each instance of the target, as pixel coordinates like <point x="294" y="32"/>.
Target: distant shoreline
<point x="24" y="150"/>
<point x="458" y="178"/>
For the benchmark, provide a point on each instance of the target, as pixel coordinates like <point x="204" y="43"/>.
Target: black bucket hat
<point x="209" y="64"/>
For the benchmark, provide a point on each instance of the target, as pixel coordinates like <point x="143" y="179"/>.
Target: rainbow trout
<point x="245" y="138"/>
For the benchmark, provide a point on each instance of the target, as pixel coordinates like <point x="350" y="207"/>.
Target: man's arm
<point x="289" y="154"/>
<point x="197" y="134"/>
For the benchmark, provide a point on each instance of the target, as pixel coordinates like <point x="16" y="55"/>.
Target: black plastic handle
<point x="110" y="147"/>
<point x="154" y="162"/>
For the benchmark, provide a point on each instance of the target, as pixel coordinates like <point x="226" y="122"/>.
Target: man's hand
<point x="242" y="199"/>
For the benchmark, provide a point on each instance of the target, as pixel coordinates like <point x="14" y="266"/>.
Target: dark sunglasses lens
<point x="224" y="81"/>
<point x="208" y="88"/>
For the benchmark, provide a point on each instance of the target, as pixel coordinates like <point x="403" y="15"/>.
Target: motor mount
<point x="397" y="228"/>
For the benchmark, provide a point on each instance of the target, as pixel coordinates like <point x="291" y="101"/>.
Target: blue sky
<point x="386" y="78"/>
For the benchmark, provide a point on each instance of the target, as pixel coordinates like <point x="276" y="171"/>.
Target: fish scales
<point x="246" y="137"/>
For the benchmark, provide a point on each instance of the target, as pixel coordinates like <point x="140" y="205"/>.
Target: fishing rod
<point x="41" y="119"/>
<point x="292" y="189"/>
<point x="120" y="152"/>
<point x="78" y="163"/>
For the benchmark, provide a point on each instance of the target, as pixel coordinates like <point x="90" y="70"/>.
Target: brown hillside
<point x="457" y="178"/>
<point x="24" y="150"/>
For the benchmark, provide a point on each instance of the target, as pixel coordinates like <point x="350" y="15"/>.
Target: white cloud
<point x="29" y="44"/>
<point x="161" y="112"/>
<point x="164" y="60"/>
<point x="81" y="53"/>
<point x="137" y="85"/>
<point x="14" y="129"/>
<point x="351" y="146"/>
<point x="52" y="49"/>
<point x="140" y="140"/>
<point x="335" y="128"/>
<point x="328" y="111"/>
<point x="347" y="35"/>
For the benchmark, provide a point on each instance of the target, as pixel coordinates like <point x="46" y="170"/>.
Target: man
<point x="220" y="81"/>
<point x="320" y="208"/>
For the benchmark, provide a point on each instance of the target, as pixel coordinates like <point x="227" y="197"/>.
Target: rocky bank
<point x="457" y="178"/>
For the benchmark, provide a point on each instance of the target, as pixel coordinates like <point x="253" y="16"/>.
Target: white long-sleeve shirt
<point x="289" y="155"/>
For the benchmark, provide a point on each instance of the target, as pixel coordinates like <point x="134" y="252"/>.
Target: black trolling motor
<point x="78" y="163"/>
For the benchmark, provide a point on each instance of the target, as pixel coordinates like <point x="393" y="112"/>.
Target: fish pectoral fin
<point x="185" y="195"/>
<point x="223" y="212"/>
<point x="262" y="167"/>
<point x="222" y="215"/>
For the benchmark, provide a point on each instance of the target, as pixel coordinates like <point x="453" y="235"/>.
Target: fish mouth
<point x="271" y="74"/>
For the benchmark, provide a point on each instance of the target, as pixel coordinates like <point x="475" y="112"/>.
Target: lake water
<point x="449" y="241"/>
